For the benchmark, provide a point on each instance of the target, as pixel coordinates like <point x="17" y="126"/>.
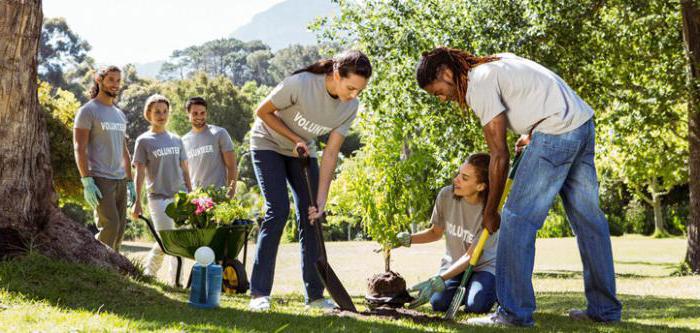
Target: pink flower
<point x="202" y="205"/>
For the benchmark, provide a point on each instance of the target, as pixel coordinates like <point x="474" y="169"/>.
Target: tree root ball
<point x="387" y="284"/>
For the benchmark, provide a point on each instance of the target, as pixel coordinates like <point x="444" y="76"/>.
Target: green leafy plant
<point x="229" y="212"/>
<point x="197" y="209"/>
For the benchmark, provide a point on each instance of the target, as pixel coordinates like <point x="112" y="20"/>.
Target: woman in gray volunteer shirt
<point x="457" y="216"/>
<point x="317" y="100"/>
<point x="160" y="158"/>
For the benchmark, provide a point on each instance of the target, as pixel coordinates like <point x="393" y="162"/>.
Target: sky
<point x="139" y="31"/>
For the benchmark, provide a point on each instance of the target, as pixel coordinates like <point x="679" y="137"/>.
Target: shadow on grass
<point x="567" y="274"/>
<point x="147" y="307"/>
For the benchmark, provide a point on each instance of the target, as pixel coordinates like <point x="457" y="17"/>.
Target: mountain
<point x="149" y="70"/>
<point x="285" y="23"/>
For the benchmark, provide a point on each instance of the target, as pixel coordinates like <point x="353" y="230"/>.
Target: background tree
<point x="31" y="217"/>
<point x="292" y="58"/>
<point x="226" y="106"/>
<point x="62" y="55"/>
<point x="691" y="32"/>
<point x="239" y="61"/>
<point x="59" y="107"/>
<point x="624" y="57"/>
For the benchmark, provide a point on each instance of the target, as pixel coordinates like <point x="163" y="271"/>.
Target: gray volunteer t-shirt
<point x="161" y="153"/>
<point x="527" y="92"/>
<point x="205" y="155"/>
<point x="462" y="223"/>
<point x="107" y="125"/>
<point x="304" y="105"/>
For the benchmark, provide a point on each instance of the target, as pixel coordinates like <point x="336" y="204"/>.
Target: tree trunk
<point x="659" y="229"/>
<point x="30" y="218"/>
<point x="690" y="11"/>
<point x="387" y="259"/>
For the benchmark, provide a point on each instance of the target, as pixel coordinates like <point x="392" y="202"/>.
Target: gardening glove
<point x="404" y="238"/>
<point x="426" y="289"/>
<point x="130" y="193"/>
<point x="91" y="193"/>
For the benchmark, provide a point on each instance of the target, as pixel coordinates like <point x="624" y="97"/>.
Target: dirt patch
<point x="391" y="313"/>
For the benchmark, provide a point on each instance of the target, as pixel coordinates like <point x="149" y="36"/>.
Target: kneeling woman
<point x="458" y="215"/>
<point x="317" y="100"/>
<point x="160" y="158"/>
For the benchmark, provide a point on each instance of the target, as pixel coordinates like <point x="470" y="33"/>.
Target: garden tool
<point x="328" y="276"/>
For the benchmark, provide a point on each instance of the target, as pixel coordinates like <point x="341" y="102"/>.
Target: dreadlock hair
<point x="346" y="63"/>
<point x="102" y="72"/>
<point x="458" y="61"/>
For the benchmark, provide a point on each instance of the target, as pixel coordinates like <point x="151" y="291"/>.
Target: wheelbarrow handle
<point x="154" y="232"/>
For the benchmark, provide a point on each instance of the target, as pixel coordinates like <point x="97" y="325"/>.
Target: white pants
<point x="161" y="221"/>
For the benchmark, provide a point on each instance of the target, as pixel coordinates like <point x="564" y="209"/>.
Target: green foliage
<point x="60" y="108"/>
<point x="62" y="55"/>
<point x="131" y="102"/>
<point x="197" y="208"/>
<point x="623" y="57"/>
<point x="292" y="58"/>
<point x="226" y="106"/>
<point x="556" y="224"/>
<point x="230" y="211"/>
<point x="237" y="60"/>
<point x="637" y="218"/>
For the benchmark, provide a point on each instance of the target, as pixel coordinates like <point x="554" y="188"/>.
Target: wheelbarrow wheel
<point x="235" y="279"/>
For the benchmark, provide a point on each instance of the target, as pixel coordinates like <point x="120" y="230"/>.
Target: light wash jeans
<point x="555" y="164"/>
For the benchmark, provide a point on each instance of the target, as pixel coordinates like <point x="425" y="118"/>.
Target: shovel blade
<point x="335" y="287"/>
<point x="456" y="303"/>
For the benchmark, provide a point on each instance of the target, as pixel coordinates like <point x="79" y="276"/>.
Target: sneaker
<point x="321" y="303"/>
<point x="494" y="319"/>
<point x="259" y="304"/>
<point x="580" y="315"/>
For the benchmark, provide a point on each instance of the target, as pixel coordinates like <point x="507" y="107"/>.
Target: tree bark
<point x="659" y="229"/>
<point x="29" y="216"/>
<point x="690" y="12"/>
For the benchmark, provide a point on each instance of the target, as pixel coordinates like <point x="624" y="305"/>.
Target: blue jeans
<point x="555" y="164"/>
<point x="274" y="171"/>
<point x="480" y="297"/>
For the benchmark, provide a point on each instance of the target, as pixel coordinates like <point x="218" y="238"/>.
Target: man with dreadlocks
<point x="99" y="139"/>
<point x="509" y="92"/>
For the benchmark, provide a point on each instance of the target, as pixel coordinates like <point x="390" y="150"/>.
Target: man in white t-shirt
<point x="509" y="92"/>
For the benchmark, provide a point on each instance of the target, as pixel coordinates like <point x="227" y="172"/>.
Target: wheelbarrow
<point x="226" y="241"/>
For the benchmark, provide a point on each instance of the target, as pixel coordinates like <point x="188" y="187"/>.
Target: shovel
<point x="330" y="279"/>
<point x="476" y="254"/>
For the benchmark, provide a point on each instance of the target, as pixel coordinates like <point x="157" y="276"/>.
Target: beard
<point x="111" y="94"/>
<point x="199" y="124"/>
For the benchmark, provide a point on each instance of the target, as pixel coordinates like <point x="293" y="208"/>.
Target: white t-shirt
<point x="527" y="92"/>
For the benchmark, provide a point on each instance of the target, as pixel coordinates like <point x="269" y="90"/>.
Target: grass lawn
<point x="37" y="294"/>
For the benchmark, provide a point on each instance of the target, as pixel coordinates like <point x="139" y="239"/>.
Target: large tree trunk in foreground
<point x="690" y="10"/>
<point x="29" y="217"/>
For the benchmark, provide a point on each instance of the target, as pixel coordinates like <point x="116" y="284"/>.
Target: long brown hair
<point x="480" y="162"/>
<point x="346" y="63"/>
<point x="458" y="61"/>
<point x="102" y="72"/>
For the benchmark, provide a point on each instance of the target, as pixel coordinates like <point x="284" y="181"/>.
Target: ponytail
<point x="346" y="63"/>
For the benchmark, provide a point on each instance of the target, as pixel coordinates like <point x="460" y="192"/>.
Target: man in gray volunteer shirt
<point x="509" y="92"/>
<point x="209" y="150"/>
<point x="99" y="139"/>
